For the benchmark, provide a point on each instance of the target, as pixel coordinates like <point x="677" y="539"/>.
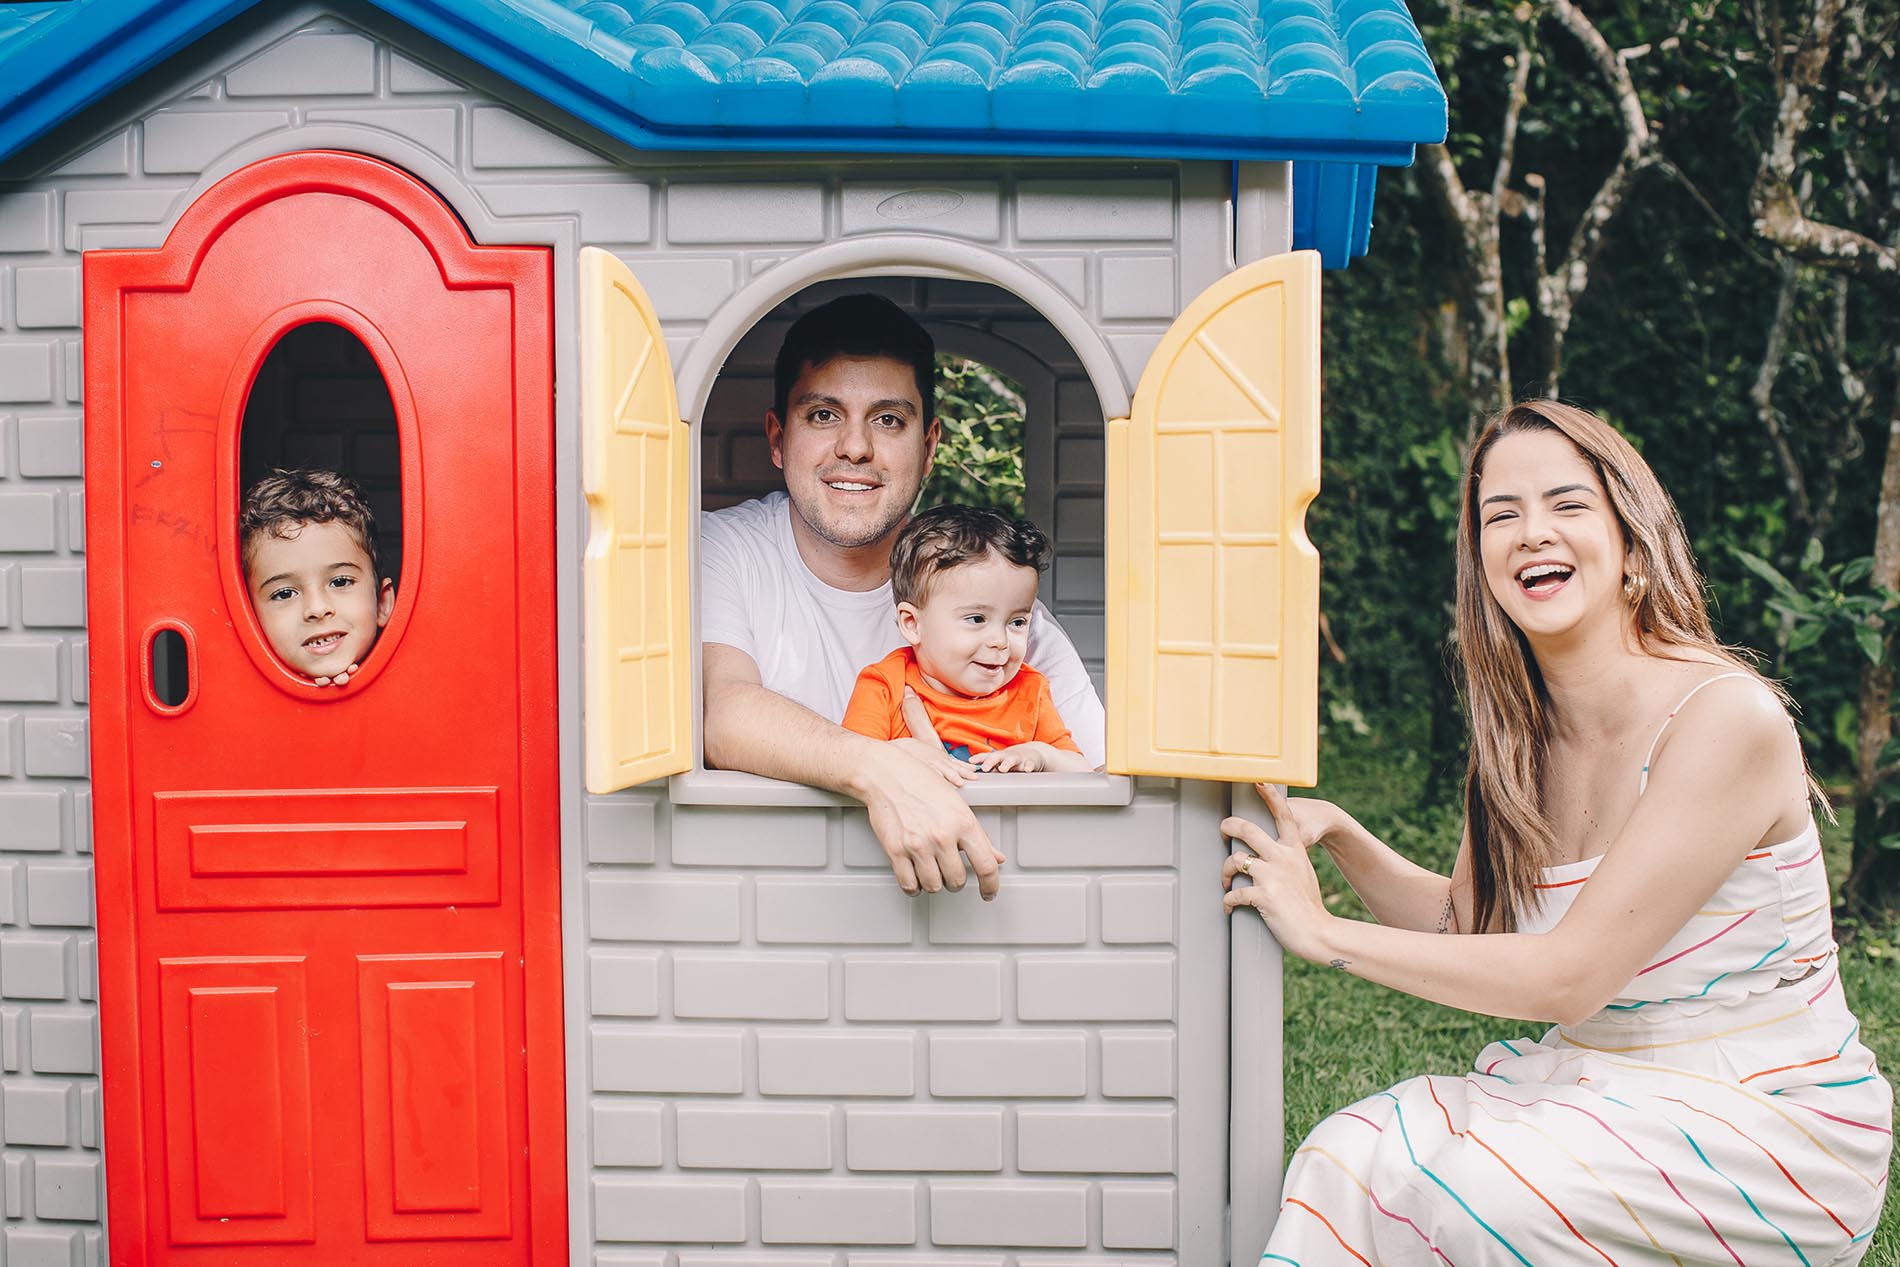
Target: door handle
<point x="168" y="668"/>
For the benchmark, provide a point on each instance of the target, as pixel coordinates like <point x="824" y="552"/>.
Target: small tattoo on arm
<point x="1337" y="963"/>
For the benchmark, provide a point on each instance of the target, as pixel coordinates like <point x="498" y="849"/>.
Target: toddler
<point x="964" y="581"/>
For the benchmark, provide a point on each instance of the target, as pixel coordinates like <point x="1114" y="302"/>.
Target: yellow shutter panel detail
<point x="634" y="472"/>
<point x="1213" y="588"/>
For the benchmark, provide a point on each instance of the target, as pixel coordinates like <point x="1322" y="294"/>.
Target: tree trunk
<point x="1473" y="217"/>
<point x="1774" y="201"/>
<point x="1780" y="215"/>
<point x="1489" y="374"/>
<point x="1873" y="876"/>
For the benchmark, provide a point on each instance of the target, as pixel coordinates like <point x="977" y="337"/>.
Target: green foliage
<point x="1667" y="342"/>
<point x="1387" y="511"/>
<point x="1832" y="603"/>
<point x="980" y="457"/>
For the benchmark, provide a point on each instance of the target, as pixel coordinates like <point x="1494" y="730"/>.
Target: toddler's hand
<point x="341" y="679"/>
<point x="1023" y="758"/>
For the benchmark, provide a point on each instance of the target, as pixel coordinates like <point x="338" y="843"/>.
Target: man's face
<point x="854" y="446"/>
<point x="317" y="598"/>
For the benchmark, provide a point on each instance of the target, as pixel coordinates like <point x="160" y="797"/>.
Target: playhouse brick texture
<point x="770" y="1048"/>
<point x="785" y="1050"/>
<point x="51" y="1185"/>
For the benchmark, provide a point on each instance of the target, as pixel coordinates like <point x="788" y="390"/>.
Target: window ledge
<point x="734" y="787"/>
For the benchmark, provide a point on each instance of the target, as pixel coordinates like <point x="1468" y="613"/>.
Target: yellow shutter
<point x="1213" y="588"/>
<point x="634" y="472"/>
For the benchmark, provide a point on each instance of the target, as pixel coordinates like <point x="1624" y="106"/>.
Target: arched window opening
<point x="319" y="402"/>
<point x="1022" y="429"/>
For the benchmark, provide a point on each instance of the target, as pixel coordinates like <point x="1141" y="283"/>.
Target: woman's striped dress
<point x="1721" y="1111"/>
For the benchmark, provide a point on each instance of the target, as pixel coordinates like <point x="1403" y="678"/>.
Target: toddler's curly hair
<point x="290" y="499"/>
<point x="945" y="537"/>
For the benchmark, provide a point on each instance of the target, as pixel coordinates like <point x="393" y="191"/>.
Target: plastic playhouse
<point x="475" y="961"/>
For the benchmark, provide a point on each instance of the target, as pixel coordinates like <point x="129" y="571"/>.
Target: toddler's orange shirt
<point x="1022" y="711"/>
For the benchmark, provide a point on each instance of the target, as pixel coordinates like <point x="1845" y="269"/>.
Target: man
<point x="795" y="593"/>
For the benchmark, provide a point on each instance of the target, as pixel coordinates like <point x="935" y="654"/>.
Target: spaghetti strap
<point x="1643" y="780"/>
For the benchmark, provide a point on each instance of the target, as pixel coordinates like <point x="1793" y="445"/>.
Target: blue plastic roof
<point x="1339" y="86"/>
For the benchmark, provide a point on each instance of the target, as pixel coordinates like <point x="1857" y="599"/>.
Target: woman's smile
<point x="1541" y="580"/>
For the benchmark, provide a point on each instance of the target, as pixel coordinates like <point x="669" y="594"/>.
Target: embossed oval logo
<point x="920" y="204"/>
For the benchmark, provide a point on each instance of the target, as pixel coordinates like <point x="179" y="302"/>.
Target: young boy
<point x="309" y="544"/>
<point x="964" y="581"/>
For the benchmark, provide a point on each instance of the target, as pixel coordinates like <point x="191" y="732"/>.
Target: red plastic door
<point x="329" y="935"/>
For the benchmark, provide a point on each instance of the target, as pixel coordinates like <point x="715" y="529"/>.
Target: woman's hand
<point x="1284" y="888"/>
<point x="1315" y="819"/>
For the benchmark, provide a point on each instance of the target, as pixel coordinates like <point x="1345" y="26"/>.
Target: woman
<point x="1644" y="870"/>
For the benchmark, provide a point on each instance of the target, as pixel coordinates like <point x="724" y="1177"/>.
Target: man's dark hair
<point x="856" y="325"/>
<point x="945" y="537"/>
<point x="290" y="499"/>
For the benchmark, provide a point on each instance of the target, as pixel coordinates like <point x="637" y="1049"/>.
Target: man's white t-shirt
<point x="809" y="640"/>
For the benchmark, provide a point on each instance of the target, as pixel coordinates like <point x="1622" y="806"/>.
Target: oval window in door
<point x="320" y="502"/>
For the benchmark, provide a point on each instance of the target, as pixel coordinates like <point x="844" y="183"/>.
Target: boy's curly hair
<point x="291" y="499"/>
<point x="945" y="537"/>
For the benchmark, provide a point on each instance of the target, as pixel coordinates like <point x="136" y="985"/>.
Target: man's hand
<point x="927" y="746"/>
<point x="956" y="773"/>
<point x="923" y="825"/>
<point x="919" y="820"/>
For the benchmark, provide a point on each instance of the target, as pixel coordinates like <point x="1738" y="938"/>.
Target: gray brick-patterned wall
<point x="785" y="1050"/>
<point x="772" y="1053"/>
<point x="53" y="1184"/>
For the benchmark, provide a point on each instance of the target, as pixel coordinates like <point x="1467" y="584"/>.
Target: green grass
<point x="1346" y="1038"/>
<point x="1873" y="989"/>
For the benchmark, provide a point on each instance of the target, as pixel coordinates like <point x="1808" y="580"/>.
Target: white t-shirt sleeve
<point x="725" y="614"/>
<point x="757" y="596"/>
<point x="1051" y="653"/>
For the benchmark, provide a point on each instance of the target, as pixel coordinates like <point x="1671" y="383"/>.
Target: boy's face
<point x="972" y="629"/>
<point x="854" y="446"/>
<point x="315" y="596"/>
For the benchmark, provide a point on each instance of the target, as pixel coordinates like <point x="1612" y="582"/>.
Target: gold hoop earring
<point x="1634" y="587"/>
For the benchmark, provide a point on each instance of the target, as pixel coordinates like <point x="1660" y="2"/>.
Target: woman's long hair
<point x="1509" y="706"/>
